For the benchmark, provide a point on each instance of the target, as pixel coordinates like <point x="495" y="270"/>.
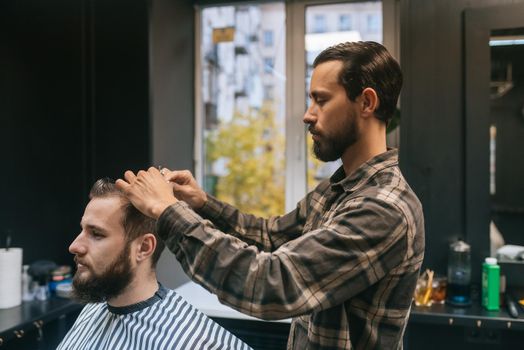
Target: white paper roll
<point x="10" y="277"/>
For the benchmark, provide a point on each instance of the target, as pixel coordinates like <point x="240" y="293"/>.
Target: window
<point x="268" y="64"/>
<point x="241" y="132"/>
<point x="268" y="38"/>
<point x="320" y="24"/>
<point x="374" y="23"/>
<point x="344" y="23"/>
<point x="269" y="92"/>
<point x="251" y="145"/>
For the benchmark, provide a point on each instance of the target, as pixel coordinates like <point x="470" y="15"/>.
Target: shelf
<point x="16" y="321"/>
<point x="473" y="316"/>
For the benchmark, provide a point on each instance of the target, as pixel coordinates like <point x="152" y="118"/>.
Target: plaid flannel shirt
<point x="343" y="264"/>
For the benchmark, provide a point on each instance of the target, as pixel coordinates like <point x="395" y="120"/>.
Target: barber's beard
<point x="107" y="285"/>
<point x="331" y="148"/>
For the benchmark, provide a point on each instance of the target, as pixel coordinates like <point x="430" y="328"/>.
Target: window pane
<point x="320" y="24"/>
<point x="242" y="90"/>
<point x="268" y="38"/>
<point x="342" y="22"/>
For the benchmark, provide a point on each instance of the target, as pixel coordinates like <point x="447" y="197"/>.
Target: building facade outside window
<point x="268" y="64"/>
<point x="268" y="38"/>
<point x="344" y="22"/>
<point x="374" y="23"/>
<point x="320" y="23"/>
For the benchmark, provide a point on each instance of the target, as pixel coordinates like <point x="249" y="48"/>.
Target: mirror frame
<point x="479" y="23"/>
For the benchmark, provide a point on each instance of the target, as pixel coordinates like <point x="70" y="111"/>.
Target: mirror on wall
<point x="506" y="135"/>
<point x="494" y="133"/>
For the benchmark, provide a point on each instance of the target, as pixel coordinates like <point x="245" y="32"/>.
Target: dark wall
<point x="432" y="151"/>
<point x="74" y="107"/>
<point x="120" y="77"/>
<point x="41" y="138"/>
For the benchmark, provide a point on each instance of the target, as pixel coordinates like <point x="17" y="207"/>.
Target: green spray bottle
<point x="490" y="284"/>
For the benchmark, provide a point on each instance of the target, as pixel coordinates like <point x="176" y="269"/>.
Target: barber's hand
<point x="185" y="187"/>
<point x="148" y="191"/>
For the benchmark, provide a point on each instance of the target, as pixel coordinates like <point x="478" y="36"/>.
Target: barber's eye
<point x="320" y="100"/>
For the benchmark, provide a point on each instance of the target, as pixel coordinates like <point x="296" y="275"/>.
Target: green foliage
<point x="252" y="149"/>
<point x="394" y="122"/>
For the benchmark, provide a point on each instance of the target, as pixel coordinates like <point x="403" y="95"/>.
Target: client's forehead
<point x="105" y="212"/>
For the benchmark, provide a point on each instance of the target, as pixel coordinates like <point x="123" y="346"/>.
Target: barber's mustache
<point x="312" y="130"/>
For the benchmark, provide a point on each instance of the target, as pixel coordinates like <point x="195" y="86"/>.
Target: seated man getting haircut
<point x="116" y="253"/>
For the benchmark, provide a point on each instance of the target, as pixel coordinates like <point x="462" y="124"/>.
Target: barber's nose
<point x="310" y="115"/>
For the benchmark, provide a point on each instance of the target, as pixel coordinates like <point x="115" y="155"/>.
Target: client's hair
<point x="134" y="222"/>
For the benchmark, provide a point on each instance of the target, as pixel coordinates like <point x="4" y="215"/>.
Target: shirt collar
<point x="339" y="181"/>
<point x="122" y="310"/>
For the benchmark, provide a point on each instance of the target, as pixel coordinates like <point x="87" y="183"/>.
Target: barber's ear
<point x="146" y="246"/>
<point x="370" y="101"/>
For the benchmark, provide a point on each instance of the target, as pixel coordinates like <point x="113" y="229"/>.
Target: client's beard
<point x="107" y="285"/>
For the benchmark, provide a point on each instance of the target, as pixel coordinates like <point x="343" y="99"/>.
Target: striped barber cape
<point x="164" y="321"/>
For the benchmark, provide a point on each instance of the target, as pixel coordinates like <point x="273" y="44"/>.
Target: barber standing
<point x="345" y="262"/>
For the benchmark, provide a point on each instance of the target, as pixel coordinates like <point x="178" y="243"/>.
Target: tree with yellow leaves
<point x="251" y="148"/>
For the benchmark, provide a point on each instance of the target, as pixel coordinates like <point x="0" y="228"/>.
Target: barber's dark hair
<point x="134" y="222"/>
<point x="367" y="64"/>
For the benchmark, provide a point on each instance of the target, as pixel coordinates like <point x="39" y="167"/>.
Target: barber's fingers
<point x="153" y="170"/>
<point x="182" y="177"/>
<point x="129" y="176"/>
<point x="122" y="185"/>
<point x="177" y="188"/>
<point x="172" y="175"/>
<point x="165" y="172"/>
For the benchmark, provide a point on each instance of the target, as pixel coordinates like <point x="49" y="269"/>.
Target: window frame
<point x="295" y="130"/>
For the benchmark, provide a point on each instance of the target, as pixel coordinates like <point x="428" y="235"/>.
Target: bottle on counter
<point x="27" y="293"/>
<point x="459" y="274"/>
<point x="490" y="284"/>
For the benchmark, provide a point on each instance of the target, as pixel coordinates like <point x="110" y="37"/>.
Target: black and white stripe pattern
<point x="162" y="322"/>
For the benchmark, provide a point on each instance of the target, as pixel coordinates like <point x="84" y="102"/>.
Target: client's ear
<point x="146" y="246"/>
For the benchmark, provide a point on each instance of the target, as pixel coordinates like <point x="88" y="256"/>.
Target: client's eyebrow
<point x="96" y="228"/>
